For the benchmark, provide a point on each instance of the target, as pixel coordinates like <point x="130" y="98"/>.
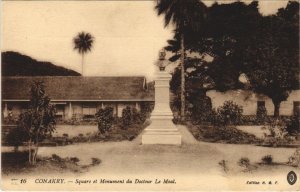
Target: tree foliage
<point x="105" y="119"/>
<point x="227" y="114"/>
<point x="271" y="58"/>
<point x="83" y="43"/>
<point x="39" y="120"/>
<point x="241" y="41"/>
<point x="187" y="16"/>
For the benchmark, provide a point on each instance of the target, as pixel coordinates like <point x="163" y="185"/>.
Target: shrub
<point x="131" y="116"/>
<point x="66" y="135"/>
<point x="137" y="117"/>
<point x="221" y="134"/>
<point x="74" y="160"/>
<point x="215" y="118"/>
<point x="261" y="115"/>
<point x="293" y="125"/>
<point x="249" y="120"/>
<point x="268" y="159"/>
<point x="95" y="161"/>
<point x="105" y="119"/>
<point x="277" y="134"/>
<point x="126" y="117"/>
<point x="16" y="137"/>
<point x="294" y="160"/>
<point x="223" y="164"/>
<point x="79" y="139"/>
<point x="229" y="113"/>
<point x="245" y="163"/>
<point x="199" y="107"/>
<point x="56" y="158"/>
<point x="146" y="109"/>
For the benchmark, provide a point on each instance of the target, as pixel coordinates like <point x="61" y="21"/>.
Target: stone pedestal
<point x="162" y="130"/>
<point x="70" y="111"/>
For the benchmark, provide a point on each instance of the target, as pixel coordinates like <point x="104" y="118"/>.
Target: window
<point x="24" y="107"/>
<point x="261" y="104"/>
<point x="9" y="106"/>
<point x="296" y="108"/>
<point x="60" y="110"/>
<point x="89" y="109"/>
<point x="261" y="110"/>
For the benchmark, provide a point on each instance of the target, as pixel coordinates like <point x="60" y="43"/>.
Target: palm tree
<point x="186" y="15"/>
<point x="83" y="42"/>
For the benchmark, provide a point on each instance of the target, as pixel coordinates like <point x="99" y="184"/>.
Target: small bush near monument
<point x="127" y="117"/>
<point x="130" y="116"/>
<point x="228" y="114"/>
<point x="105" y="119"/>
<point x="199" y="107"/>
<point x="146" y="109"/>
<point x="138" y="117"/>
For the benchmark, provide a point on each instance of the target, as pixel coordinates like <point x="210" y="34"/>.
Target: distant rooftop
<point x="78" y="88"/>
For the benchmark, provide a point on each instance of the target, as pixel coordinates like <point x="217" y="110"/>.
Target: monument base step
<point x="161" y="138"/>
<point x="160" y="130"/>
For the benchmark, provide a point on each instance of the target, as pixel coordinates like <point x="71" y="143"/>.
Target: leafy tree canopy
<point x="242" y="41"/>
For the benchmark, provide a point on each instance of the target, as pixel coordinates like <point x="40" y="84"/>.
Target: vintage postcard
<point x="156" y="95"/>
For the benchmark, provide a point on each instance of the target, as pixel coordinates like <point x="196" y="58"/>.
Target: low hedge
<point x="222" y="134"/>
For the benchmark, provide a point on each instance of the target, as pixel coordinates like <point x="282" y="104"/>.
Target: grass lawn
<point x="74" y="130"/>
<point x="69" y="134"/>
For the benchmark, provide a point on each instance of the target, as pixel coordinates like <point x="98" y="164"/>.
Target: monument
<point x="162" y="130"/>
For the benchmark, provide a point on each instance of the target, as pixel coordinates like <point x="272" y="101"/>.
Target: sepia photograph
<point x="154" y="95"/>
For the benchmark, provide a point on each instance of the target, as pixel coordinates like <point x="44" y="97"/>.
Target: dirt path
<point x="191" y="157"/>
<point x="186" y="135"/>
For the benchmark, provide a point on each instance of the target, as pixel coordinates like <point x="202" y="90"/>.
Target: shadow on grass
<point x="17" y="162"/>
<point x="14" y="161"/>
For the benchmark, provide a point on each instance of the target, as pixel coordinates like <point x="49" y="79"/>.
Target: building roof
<point x="78" y="88"/>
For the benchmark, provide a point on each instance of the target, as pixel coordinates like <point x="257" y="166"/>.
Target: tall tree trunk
<point x="82" y="59"/>
<point x="35" y="153"/>
<point x="182" y="114"/>
<point x="276" y="108"/>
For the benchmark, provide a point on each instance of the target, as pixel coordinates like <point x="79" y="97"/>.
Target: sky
<point x="128" y="34"/>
